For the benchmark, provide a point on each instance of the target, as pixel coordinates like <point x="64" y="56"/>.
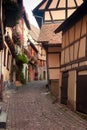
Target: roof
<point x="47" y="34"/>
<point x="34" y="32"/>
<point x="75" y="17"/>
<point x="33" y="46"/>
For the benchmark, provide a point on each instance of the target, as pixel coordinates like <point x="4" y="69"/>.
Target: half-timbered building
<point x="52" y="45"/>
<point x="33" y="52"/>
<point x="52" y="13"/>
<point x="7" y="47"/>
<point x="41" y="61"/>
<point x="49" y="11"/>
<point x="74" y="60"/>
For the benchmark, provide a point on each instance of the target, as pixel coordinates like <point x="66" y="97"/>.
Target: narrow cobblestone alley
<point x="31" y="108"/>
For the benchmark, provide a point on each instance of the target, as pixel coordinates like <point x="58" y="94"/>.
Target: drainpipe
<point x="40" y="18"/>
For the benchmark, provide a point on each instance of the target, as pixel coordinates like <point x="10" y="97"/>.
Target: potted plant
<point x="20" y="60"/>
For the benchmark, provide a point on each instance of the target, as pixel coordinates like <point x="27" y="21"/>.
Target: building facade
<point x="74" y="60"/>
<point x="7" y="47"/>
<point x="50" y="14"/>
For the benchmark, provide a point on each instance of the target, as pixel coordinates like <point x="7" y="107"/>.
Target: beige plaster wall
<point x="84" y="25"/>
<point x="62" y="57"/>
<point x="53" y="4"/>
<point x="62" y="4"/>
<point x="72" y="90"/>
<point x="83" y="63"/>
<point x="54" y="73"/>
<point x="53" y="60"/>
<point x="63" y="41"/>
<point x="71" y="35"/>
<point x="67" y="38"/>
<point x="54" y="49"/>
<point x="44" y="5"/>
<point x="76" y="45"/>
<point x="84" y="72"/>
<point x="55" y="87"/>
<point x="67" y="59"/>
<point x="82" y="47"/>
<point x="5" y="71"/>
<point x="78" y="29"/>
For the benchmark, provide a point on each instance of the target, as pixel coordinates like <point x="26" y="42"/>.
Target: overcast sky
<point x="30" y="5"/>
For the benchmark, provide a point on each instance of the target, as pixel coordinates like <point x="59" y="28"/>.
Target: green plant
<point x="21" y="58"/>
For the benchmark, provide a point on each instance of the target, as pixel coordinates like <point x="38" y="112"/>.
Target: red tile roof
<point x="48" y="35"/>
<point x="34" y="32"/>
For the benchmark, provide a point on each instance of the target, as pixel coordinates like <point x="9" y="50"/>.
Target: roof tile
<point x="48" y="35"/>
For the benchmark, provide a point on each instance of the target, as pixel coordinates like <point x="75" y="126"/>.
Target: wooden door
<point x="81" y="94"/>
<point x="64" y="93"/>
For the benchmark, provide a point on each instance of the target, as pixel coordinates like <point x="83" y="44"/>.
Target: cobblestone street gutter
<point x="31" y="108"/>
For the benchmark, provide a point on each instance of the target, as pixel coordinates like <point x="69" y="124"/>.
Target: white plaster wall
<point x="24" y="69"/>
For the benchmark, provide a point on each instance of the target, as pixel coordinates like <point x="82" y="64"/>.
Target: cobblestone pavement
<point x="31" y="108"/>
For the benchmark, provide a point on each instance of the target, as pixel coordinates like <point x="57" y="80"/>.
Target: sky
<point x="29" y="6"/>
